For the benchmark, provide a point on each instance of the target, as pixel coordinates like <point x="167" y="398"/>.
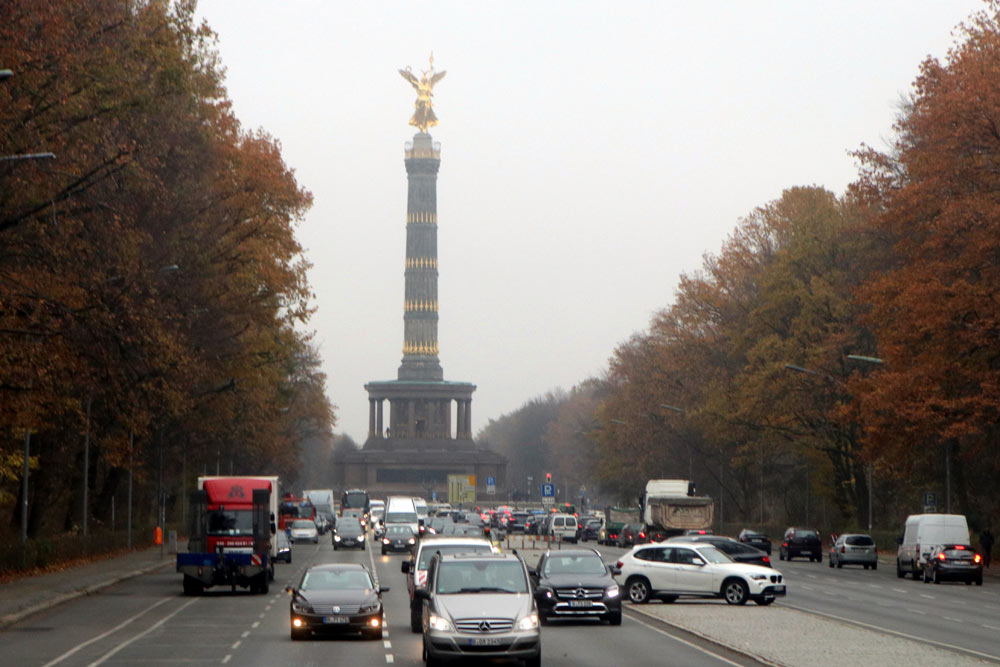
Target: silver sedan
<point x="854" y="549"/>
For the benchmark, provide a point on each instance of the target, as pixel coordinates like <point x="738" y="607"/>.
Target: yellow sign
<point x="461" y="489"/>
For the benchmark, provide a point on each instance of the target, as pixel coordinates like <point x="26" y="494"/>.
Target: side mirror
<point x="421" y="594"/>
<point x="290" y="590"/>
<point x="697" y="561"/>
<point x="615" y="571"/>
<point x="405" y="567"/>
<point x="383" y="589"/>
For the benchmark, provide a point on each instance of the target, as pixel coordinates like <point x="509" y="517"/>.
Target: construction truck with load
<point x="232" y="538"/>
<point x="672" y="507"/>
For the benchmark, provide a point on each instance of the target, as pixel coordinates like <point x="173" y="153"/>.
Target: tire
<point x="638" y="590"/>
<point x="831" y="562"/>
<point x="192" y="586"/>
<point x="979" y="581"/>
<point x="542" y="619"/>
<point x="874" y="566"/>
<point x="968" y="582"/>
<point x="866" y="566"/>
<point x="534" y="661"/>
<point x="416" y="620"/>
<point x="925" y="578"/>
<point x="781" y="555"/>
<point x="935" y="579"/>
<point x="735" y="591"/>
<point x="840" y="565"/>
<point x="373" y="634"/>
<point x="899" y="570"/>
<point x="668" y="599"/>
<point x="763" y="602"/>
<point x="336" y="547"/>
<point x="298" y="635"/>
<point x="615" y="618"/>
<point x="916" y="575"/>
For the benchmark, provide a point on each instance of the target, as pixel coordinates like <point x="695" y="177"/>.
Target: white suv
<point x="667" y="571"/>
<point x="564" y="527"/>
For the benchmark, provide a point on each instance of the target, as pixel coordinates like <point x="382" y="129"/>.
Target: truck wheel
<point x="192" y="586"/>
<point x="899" y="570"/>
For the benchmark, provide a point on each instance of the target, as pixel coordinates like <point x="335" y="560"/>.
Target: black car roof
<point x="337" y="566"/>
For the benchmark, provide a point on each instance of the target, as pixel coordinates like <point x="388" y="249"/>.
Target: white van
<point x="922" y="533"/>
<point x="563" y="526"/>
<point x="401" y="510"/>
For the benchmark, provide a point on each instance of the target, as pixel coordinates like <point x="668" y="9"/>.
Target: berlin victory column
<point x="414" y="451"/>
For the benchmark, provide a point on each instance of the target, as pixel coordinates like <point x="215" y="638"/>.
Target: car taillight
<point x="784" y="544"/>
<point x="619" y="565"/>
<point x="941" y="556"/>
<point x="977" y="558"/>
<point x="875" y="549"/>
<point x="843" y="549"/>
<point x="767" y="559"/>
<point x="959" y="547"/>
<point x="642" y="535"/>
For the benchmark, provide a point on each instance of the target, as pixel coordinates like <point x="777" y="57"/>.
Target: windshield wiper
<point x="484" y="589"/>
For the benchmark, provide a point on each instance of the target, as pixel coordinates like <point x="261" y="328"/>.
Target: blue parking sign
<point x="548" y="490"/>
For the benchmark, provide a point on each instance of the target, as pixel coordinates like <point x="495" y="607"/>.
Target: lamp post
<point x="131" y="442"/>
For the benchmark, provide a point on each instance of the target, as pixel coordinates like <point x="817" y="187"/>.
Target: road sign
<point x="548" y="490"/>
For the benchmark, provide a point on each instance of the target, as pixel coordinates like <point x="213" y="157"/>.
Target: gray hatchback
<point x="854" y="549"/>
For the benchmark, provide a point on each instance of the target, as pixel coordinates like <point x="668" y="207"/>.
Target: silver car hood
<point x="484" y="605"/>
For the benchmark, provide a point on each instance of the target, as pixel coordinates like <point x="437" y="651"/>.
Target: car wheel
<point x="899" y="570"/>
<point x="781" y="554"/>
<point x="968" y="582"/>
<point x="840" y="565"/>
<point x="383" y="552"/>
<point x="979" y="580"/>
<point x="925" y="578"/>
<point x="866" y="566"/>
<point x="936" y="579"/>
<point x="534" y="661"/>
<point x="298" y="635"/>
<point x="874" y="566"/>
<point x="831" y="562"/>
<point x="668" y="599"/>
<point x="416" y="620"/>
<point x="763" y="602"/>
<point x="192" y="586"/>
<point x="615" y="618"/>
<point x="374" y="634"/>
<point x="735" y="591"/>
<point x="638" y="590"/>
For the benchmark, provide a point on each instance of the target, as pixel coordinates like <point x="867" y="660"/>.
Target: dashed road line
<point x="387" y="644"/>
<point x="389" y="659"/>
<point x="925" y="595"/>
<point x="917" y="611"/>
<point x="236" y="645"/>
<point x="255" y="624"/>
<point x="245" y="634"/>
<point x="142" y="634"/>
<point x="227" y="659"/>
<point x="900" y="590"/>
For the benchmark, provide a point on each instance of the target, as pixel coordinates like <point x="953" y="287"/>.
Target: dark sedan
<point x="398" y="538"/>
<point x="589" y="529"/>
<point x="755" y="539"/>
<point x="954" y="562"/>
<point x="576" y="583"/>
<point x="336" y="598"/>
<point x="348" y="533"/>
<point x="738" y="551"/>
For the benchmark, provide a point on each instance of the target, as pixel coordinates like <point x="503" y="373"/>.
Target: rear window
<point x="860" y="541"/>
<point x="959" y="552"/>
<point x="804" y="534"/>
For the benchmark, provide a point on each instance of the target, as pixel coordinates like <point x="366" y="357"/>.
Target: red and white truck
<point x="232" y="540"/>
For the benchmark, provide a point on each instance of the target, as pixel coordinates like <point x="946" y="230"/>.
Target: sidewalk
<point x="29" y="595"/>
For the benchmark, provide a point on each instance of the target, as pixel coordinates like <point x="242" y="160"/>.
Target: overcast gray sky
<point x="591" y="153"/>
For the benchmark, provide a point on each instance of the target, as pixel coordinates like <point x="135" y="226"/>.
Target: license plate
<point x="778" y="590"/>
<point x="485" y="641"/>
<point x="581" y="603"/>
<point x="336" y="619"/>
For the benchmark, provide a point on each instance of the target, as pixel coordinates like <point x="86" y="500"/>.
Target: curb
<point x="12" y="618"/>
<point x="706" y="638"/>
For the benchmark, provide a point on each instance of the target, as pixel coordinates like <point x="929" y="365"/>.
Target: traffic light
<point x="548" y="477"/>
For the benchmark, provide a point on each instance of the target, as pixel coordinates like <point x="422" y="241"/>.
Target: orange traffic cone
<point x="157" y="535"/>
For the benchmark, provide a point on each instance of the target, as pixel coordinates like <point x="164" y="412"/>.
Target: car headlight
<point x="412" y="540"/>
<point x="612" y="591"/>
<point x="758" y="577"/>
<point x="336" y="537"/>
<point x="439" y="624"/>
<point x="361" y="538"/>
<point x="385" y="540"/>
<point x="300" y="608"/>
<point x="367" y="609"/>
<point x="528" y="622"/>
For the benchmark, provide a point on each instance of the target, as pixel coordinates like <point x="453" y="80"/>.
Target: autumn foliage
<point x="150" y="280"/>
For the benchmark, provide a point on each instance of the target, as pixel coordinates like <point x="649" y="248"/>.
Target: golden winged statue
<point x="423" y="116"/>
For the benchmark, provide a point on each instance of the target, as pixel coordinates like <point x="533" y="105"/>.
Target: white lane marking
<point x="925" y="595"/>
<point x="952" y="618"/>
<point x="226" y="659"/>
<point x="389" y="659"/>
<point x="953" y="647"/>
<point x="142" y="634"/>
<point x="103" y="635"/>
<point x="807" y="588"/>
<point x="387" y="644"/>
<point x="267" y="608"/>
<point x="899" y="590"/>
<point x="245" y="634"/>
<point x="874" y="586"/>
<point x="261" y="615"/>
<point x="236" y="645"/>
<point x="255" y="624"/>
<point x="917" y="611"/>
<point x="682" y="641"/>
<point x="991" y="627"/>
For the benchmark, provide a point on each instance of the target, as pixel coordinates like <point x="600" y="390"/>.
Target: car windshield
<point x="399" y="530"/>
<point x="430" y="549"/>
<point x="333" y="580"/>
<point x="460" y="577"/>
<point x="713" y="555"/>
<point x="303" y="524"/>
<point x="230" y="522"/>
<point x="348" y="526"/>
<point x="401" y="517"/>
<point x="859" y="540"/>
<point x="577" y="564"/>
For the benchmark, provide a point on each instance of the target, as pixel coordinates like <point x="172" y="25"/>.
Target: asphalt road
<point x="147" y="620"/>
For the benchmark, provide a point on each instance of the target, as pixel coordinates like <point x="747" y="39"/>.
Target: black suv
<point x="576" y="583"/>
<point x="755" y="539"/>
<point x="801" y="542"/>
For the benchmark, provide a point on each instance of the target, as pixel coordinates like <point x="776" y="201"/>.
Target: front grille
<point x="481" y="626"/>
<point x="775" y="578"/>
<point x="580" y="593"/>
<point x="327" y="610"/>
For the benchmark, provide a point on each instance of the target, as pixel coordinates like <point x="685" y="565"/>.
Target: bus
<point x="355" y="499"/>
